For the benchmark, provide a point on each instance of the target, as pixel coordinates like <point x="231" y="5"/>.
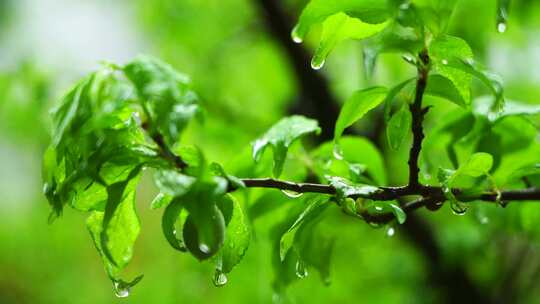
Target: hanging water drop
<point x="204" y="248"/>
<point x="301" y="269"/>
<point x="390" y="231"/>
<point x="291" y="194"/>
<point x="220" y="279"/>
<point x="501" y="27"/>
<point x="338" y="152"/>
<point x="295" y="36"/>
<point x="444" y="61"/>
<point x="121" y="290"/>
<point x="317" y="63"/>
<point x="458" y="208"/>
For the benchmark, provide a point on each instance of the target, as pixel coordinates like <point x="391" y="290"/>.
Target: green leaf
<point x="392" y="95"/>
<point x="160" y="200"/>
<point x="394" y="38"/>
<point x="339" y="27"/>
<point x="491" y="80"/>
<point x="356" y="107"/>
<point x="281" y="136"/>
<point x="173" y="183"/>
<point x="440" y="86"/>
<point x="204" y="229"/>
<point x="165" y="96"/>
<point x="237" y="237"/>
<point x="315" y="206"/>
<point x="442" y="51"/>
<point x="483" y="106"/>
<point x="317" y="11"/>
<point x="114" y="231"/>
<point x="377" y="208"/>
<point x="478" y="164"/>
<point x="346" y="188"/>
<point x="399" y="127"/>
<point x="350" y="145"/>
<point x="170" y="217"/>
<point x="115" y="248"/>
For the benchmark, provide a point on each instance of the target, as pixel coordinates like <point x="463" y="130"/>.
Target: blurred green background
<point x="248" y="80"/>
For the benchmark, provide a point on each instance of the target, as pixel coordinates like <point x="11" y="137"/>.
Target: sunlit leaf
<point x="281" y="136"/>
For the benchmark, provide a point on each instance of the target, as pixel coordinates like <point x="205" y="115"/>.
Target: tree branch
<point x="417" y="119"/>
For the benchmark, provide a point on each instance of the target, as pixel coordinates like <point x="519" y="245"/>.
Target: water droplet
<point x="220" y="279"/>
<point x="484" y="220"/>
<point x="378" y="208"/>
<point x="301" y="269"/>
<point x="390" y="231"/>
<point x="409" y="59"/>
<point x="46" y="188"/>
<point x="317" y="63"/>
<point x="277" y="298"/>
<point x="501" y="27"/>
<point x="231" y="245"/>
<point x="291" y="194"/>
<point x="121" y="290"/>
<point x="295" y="36"/>
<point x="204" y="248"/>
<point x="444" y="61"/>
<point x="338" y="152"/>
<point x="458" y="208"/>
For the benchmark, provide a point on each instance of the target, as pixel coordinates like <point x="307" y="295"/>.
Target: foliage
<point x="123" y="119"/>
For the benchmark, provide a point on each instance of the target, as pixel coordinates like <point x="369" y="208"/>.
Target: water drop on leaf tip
<point x="501" y="27"/>
<point x="301" y="269"/>
<point x="120" y="290"/>
<point x="317" y="64"/>
<point x="220" y="279"/>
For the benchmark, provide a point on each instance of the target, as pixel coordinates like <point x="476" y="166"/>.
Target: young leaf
<point x="441" y="52"/>
<point x="114" y="236"/>
<point x="345" y="188"/>
<point x="316" y="11"/>
<point x="378" y="208"/>
<point x="356" y="107"/>
<point x="337" y="28"/>
<point x="237" y="237"/>
<point x="165" y="94"/>
<point x="491" y="80"/>
<point x="281" y="136"/>
<point x="173" y="183"/>
<point x="120" y="225"/>
<point x="315" y="206"/>
<point x="478" y="164"/>
<point x="398" y="127"/>
<point x="168" y="221"/>
<point x="392" y="95"/>
<point x="442" y="87"/>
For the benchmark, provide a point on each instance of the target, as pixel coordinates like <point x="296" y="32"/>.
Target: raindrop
<point x="204" y="248"/>
<point x="301" y="269"/>
<point x="378" y="208"/>
<point x="338" y="152"/>
<point x="501" y="27"/>
<point x="390" y="231"/>
<point x="291" y="194"/>
<point x="458" y="208"/>
<point x="46" y="188"/>
<point x="409" y="59"/>
<point x="121" y="290"/>
<point x="317" y="64"/>
<point x="445" y="62"/>
<point x="484" y="220"/>
<point x="220" y="279"/>
<point x="296" y="37"/>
